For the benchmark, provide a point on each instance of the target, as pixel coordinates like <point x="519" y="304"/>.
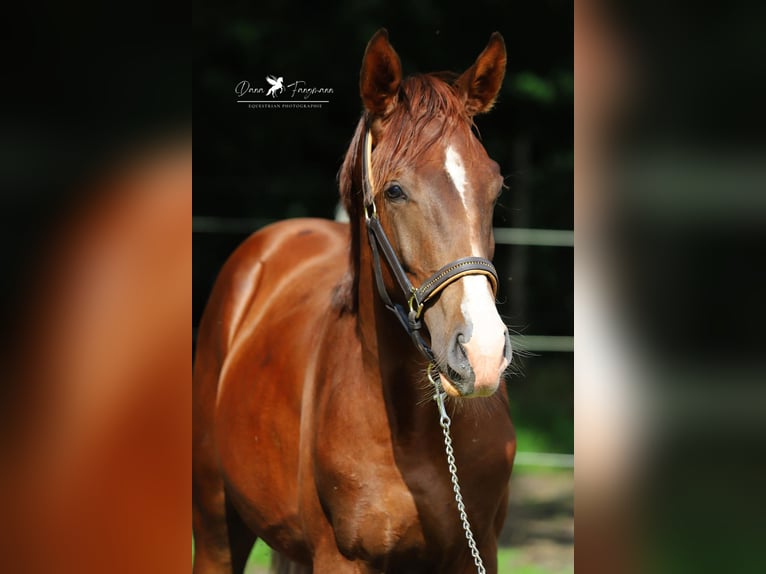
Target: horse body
<point x="347" y="458"/>
<point x="313" y="424"/>
<point x="253" y="383"/>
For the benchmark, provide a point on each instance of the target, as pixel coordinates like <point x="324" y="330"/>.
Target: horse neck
<point x="389" y="354"/>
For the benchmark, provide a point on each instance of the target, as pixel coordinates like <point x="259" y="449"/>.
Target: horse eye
<point x="395" y="192"/>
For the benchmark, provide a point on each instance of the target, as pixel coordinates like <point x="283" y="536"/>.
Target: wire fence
<point x="546" y="459"/>
<point x="503" y="235"/>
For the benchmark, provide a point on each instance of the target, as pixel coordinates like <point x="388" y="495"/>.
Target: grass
<point x="509" y="561"/>
<point x="259" y="557"/>
<point x="512" y="561"/>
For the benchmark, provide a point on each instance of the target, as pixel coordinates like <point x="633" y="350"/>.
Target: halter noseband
<point x="417" y="298"/>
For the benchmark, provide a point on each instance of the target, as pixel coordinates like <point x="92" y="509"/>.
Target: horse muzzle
<point x="475" y="365"/>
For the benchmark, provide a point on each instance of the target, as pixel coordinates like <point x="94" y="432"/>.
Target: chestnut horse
<point x="314" y="427"/>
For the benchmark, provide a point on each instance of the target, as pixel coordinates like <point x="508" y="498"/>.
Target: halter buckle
<point x="416" y="307"/>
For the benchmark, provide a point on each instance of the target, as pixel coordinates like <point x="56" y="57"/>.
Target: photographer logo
<point x="277" y="94"/>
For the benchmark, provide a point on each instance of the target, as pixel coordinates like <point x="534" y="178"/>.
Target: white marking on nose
<point x="484" y="348"/>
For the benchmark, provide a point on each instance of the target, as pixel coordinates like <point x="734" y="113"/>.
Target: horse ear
<point x="381" y="75"/>
<point x="480" y="83"/>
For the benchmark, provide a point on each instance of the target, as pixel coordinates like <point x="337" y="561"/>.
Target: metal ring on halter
<point x="370" y="214"/>
<point x="416" y="308"/>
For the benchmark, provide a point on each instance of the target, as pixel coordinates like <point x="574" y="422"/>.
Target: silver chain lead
<point x="445" y="422"/>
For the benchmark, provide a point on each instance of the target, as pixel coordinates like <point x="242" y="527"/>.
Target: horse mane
<point x="429" y="109"/>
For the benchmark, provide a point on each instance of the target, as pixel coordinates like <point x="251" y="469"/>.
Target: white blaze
<point x="453" y="163"/>
<point x="455" y="168"/>
<point x="484" y="346"/>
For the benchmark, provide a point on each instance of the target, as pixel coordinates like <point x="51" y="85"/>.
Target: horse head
<point x="433" y="188"/>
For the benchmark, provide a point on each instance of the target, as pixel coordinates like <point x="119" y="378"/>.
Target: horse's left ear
<point x="480" y="83"/>
<point x="381" y="75"/>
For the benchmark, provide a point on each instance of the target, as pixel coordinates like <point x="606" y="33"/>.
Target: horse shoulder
<point x="277" y="248"/>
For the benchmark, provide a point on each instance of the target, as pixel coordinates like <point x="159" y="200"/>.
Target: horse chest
<point x="383" y="482"/>
<point x="377" y="520"/>
<point x="400" y="508"/>
<point x="370" y="508"/>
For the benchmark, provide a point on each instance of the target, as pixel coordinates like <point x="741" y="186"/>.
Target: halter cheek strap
<point x="417" y="298"/>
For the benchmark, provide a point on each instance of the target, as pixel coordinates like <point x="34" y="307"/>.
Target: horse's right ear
<point x="381" y="75"/>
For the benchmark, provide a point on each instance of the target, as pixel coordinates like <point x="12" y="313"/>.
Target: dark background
<point x="252" y="166"/>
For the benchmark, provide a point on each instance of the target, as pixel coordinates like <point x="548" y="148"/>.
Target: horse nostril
<point x="460" y="348"/>
<point x="458" y="367"/>
<point x="507" y="351"/>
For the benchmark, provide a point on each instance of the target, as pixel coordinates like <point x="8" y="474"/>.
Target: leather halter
<point x="417" y="298"/>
